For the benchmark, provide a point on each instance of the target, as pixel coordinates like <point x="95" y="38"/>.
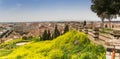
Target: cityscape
<point x="50" y="29"/>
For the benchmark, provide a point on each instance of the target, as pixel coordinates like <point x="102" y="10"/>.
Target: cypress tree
<point x="48" y="35"/>
<point x="66" y="29"/>
<point x="44" y="36"/>
<point x="56" y="32"/>
<point x="84" y="23"/>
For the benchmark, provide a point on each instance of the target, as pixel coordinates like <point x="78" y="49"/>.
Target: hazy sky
<point x="46" y="10"/>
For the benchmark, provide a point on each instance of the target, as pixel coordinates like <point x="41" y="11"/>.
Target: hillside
<point x="72" y="45"/>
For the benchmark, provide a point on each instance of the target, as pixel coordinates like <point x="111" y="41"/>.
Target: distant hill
<point x="72" y="45"/>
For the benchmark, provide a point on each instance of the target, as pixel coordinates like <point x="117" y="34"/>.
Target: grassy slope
<point x="72" y="45"/>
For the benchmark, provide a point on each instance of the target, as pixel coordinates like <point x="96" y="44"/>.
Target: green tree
<point x="44" y="36"/>
<point x="66" y="29"/>
<point x="56" y="32"/>
<point x="84" y="23"/>
<point x="115" y="7"/>
<point x="99" y="7"/>
<point x="106" y="9"/>
<point x="24" y="38"/>
<point x="48" y="35"/>
<point x="113" y="10"/>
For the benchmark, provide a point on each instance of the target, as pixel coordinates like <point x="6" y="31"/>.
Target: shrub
<point x="10" y="44"/>
<point x="62" y="47"/>
<point x="55" y="54"/>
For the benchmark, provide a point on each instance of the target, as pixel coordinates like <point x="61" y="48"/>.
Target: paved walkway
<point x="108" y="55"/>
<point x="102" y="40"/>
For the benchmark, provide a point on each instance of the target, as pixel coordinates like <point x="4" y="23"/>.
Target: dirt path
<point x="22" y="43"/>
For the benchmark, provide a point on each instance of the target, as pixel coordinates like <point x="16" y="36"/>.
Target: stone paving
<point x="102" y="40"/>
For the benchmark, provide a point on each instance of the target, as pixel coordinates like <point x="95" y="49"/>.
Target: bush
<point x="24" y="38"/>
<point x="55" y="54"/>
<point x="10" y="44"/>
<point x="88" y="55"/>
<point x="35" y="39"/>
<point x="62" y="47"/>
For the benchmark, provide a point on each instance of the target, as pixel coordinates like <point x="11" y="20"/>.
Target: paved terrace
<point x="107" y="41"/>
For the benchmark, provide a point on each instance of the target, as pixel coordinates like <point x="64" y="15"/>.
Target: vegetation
<point x="66" y="29"/>
<point x="72" y="45"/>
<point x="84" y="23"/>
<point x="106" y="9"/>
<point x="12" y="44"/>
<point x="48" y="35"/>
<point x="44" y="36"/>
<point x="7" y="47"/>
<point x="106" y="31"/>
<point x="56" y="32"/>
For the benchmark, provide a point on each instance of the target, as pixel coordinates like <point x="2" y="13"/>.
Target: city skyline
<point x="46" y="10"/>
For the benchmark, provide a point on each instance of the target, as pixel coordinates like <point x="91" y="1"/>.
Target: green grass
<point x="4" y="52"/>
<point x="72" y="45"/>
<point x="7" y="47"/>
<point x="106" y="31"/>
<point x="12" y="44"/>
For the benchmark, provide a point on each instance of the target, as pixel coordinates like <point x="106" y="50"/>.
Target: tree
<point x="115" y="6"/>
<point x="106" y="26"/>
<point x="99" y="7"/>
<point x="48" y="35"/>
<point x="24" y="38"/>
<point x="66" y="29"/>
<point x="106" y="9"/>
<point x="56" y="32"/>
<point x="44" y="36"/>
<point x="84" y="23"/>
<point x="113" y="10"/>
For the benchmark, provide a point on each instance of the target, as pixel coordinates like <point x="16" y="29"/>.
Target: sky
<point x="46" y="10"/>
